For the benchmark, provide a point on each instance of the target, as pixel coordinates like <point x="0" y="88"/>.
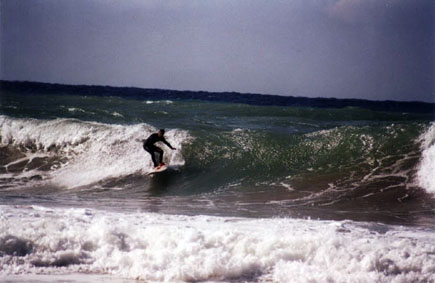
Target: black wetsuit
<point x="149" y="146"/>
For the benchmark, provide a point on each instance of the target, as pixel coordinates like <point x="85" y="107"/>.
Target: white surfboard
<point x="158" y="169"/>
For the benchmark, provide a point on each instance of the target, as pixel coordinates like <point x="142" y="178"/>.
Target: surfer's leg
<point x="153" y="156"/>
<point x="160" y="151"/>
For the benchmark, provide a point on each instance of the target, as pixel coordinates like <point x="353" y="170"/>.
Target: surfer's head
<point x="161" y="132"/>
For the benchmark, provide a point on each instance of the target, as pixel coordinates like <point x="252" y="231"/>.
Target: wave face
<point x="232" y="159"/>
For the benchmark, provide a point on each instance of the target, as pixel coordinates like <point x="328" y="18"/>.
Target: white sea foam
<point x="76" y="110"/>
<point x="159" y="101"/>
<point x="73" y="109"/>
<point x="156" y="247"/>
<point x="112" y="113"/>
<point x="95" y="151"/>
<point x="116" y="114"/>
<point x="426" y="171"/>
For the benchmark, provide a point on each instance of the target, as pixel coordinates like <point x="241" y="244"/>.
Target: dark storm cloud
<point x="347" y="48"/>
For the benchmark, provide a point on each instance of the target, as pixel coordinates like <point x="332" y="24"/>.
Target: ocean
<point x="258" y="190"/>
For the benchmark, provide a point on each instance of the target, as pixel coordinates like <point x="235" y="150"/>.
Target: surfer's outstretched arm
<point x="168" y="144"/>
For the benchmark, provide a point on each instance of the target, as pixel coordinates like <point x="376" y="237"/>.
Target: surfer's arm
<point x="168" y="144"/>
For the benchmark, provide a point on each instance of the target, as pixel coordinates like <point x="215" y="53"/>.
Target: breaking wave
<point x="74" y="153"/>
<point x="426" y="170"/>
<point x="155" y="247"/>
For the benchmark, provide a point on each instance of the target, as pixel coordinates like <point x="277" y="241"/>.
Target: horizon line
<point x="214" y="92"/>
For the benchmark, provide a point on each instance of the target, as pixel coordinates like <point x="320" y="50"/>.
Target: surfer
<point x="149" y="146"/>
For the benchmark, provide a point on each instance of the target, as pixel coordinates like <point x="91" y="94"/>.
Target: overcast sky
<point x="370" y="49"/>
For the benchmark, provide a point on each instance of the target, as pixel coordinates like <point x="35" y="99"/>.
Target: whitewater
<point x="156" y="247"/>
<point x="254" y="193"/>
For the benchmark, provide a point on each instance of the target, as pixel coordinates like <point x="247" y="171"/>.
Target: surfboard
<point x="158" y="169"/>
